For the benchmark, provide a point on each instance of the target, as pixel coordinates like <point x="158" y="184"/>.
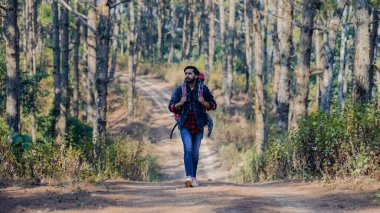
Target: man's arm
<point x="209" y="101"/>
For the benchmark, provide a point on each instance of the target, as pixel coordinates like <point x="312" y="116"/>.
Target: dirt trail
<point x="170" y="195"/>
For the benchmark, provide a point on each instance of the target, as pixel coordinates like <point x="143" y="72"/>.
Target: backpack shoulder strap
<point x="183" y="89"/>
<point x="200" y="90"/>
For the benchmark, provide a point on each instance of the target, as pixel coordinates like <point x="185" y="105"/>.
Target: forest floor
<point x="215" y="194"/>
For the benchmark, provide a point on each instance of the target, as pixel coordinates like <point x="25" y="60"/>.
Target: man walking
<point x="190" y="101"/>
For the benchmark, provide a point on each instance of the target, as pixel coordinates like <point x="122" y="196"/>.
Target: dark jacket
<point x="192" y="103"/>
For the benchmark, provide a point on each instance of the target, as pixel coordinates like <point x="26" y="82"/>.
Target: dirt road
<point x="170" y="195"/>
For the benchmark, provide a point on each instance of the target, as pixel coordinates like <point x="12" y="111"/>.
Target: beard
<point x="189" y="80"/>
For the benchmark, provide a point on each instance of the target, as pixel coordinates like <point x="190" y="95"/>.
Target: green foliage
<point x="127" y="159"/>
<point x="30" y="90"/>
<point x="340" y="144"/>
<point x="45" y="14"/>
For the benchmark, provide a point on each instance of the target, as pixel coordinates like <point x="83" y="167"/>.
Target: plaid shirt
<point x="191" y="124"/>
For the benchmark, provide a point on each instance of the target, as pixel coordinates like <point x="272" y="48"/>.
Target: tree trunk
<point x="373" y="39"/>
<point x="276" y="62"/>
<point x="13" y="70"/>
<point x="248" y="48"/>
<point x="87" y="87"/>
<point x="320" y="61"/>
<point x="206" y="31"/>
<point x="131" y="52"/>
<point x="326" y="96"/>
<point x="189" y="48"/>
<point x="102" y="40"/>
<point x="260" y="139"/>
<point x="342" y="63"/>
<point x="223" y="40"/>
<point x="211" y="37"/>
<point x="64" y="76"/>
<point x="284" y="25"/>
<point x="360" y="90"/>
<point x="91" y="70"/>
<point x="76" y="63"/>
<point x="230" y="56"/>
<point x="302" y="74"/>
<point x="184" y="36"/>
<point x="173" y="31"/>
<point x="115" y="36"/>
<point x="57" y="67"/>
<point x="160" y="11"/>
<point x="265" y="47"/>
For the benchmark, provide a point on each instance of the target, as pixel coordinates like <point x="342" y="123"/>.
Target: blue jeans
<point x="191" y="144"/>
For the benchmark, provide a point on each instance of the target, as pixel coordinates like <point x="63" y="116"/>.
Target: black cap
<point x="196" y="71"/>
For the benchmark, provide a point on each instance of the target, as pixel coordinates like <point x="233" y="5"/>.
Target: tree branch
<point x="81" y="17"/>
<point x="2" y="7"/>
<point x="120" y="2"/>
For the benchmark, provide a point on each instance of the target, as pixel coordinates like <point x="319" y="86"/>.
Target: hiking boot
<point x="195" y="182"/>
<point x="188" y="181"/>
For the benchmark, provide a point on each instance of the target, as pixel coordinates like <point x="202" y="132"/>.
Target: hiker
<point x="191" y="105"/>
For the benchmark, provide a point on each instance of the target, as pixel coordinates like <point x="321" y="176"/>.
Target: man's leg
<point x="197" y="138"/>
<point x="188" y="151"/>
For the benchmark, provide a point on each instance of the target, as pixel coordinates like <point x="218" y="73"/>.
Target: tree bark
<point x="189" y="47"/>
<point x="342" y="63"/>
<point x="76" y="63"/>
<point x="211" y="37"/>
<point x="302" y="73"/>
<point x="284" y="24"/>
<point x="91" y="70"/>
<point x="206" y="31"/>
<point x="320" y="61"/>
<point x="373" y="39"/>
<point x="184" y="35"/>
<point x="248" y="48"/>
<point x="276" y="53"/>
<point x="64" y="16"/>
<point x="326" y="96"/>
<point x="13" y="70"/>
<point x="115" y="36"/>
<point x="173" y="31"/>
<point x="223" y="40"/>
<point x="231" y="51"/>
<point x="160" y="11"/>
<point x="102" y="40"/>
<point x="360" y="90"/>
<point x="57" y="67"/>
<point x="260" y="139"/>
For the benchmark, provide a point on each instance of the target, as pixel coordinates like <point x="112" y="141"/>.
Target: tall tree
<point x="76" y="43"/>
<point x="360" y="90"/>
<point x="259" y="85"/>
<point x="173" y="31"/>
<point x="276" y="53"/>
<point x="57" y="67"/>
<point x="223" y="41"/>
<point x="302" y="72"/>
<point x="231" y="51"/>
<point x="331" y="33"/>
<point x="342" y="61"/>
<point x="102" y="40"/>
<point x="13" y="70"/>
<point x="211" y="35"/>
<point x="373" y="40"/>
<point x="64" y="21"/>
<point x="91" y="71"/>
<point x="206" y="31"/>
<point x="284" y="24"/>
<point x="248" y="47"/>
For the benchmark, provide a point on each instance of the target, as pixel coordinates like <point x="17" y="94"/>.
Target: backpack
<point x="183" y="89"/>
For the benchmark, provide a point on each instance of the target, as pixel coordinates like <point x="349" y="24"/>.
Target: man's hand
<point x="180" y="103"/>
<point x="201" y="100"/>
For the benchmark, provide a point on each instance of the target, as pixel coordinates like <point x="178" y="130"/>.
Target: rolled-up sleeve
<point x="173" y="100"/>
<point x="209" y="98"/>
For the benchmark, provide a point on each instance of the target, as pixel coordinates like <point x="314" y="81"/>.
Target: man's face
<point x="190" y="75"/>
